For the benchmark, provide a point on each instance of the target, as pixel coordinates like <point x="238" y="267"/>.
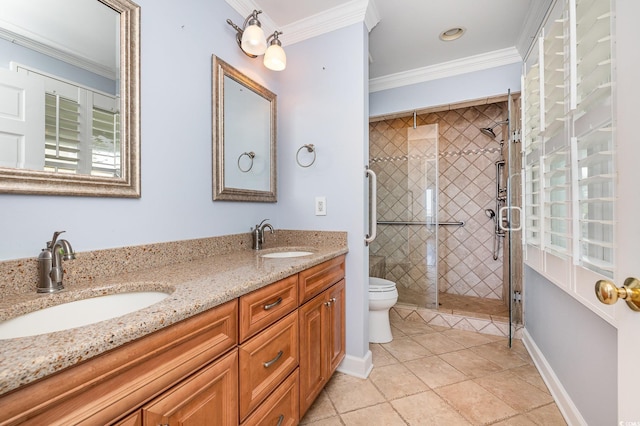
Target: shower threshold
<point x="476" y="307"/>
<point x="493" y="318"/>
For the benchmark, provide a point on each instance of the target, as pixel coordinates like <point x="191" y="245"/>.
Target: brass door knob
<point x="609" y="294"/>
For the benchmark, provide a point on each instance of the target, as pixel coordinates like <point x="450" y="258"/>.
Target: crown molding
<point x="372" y="16"/>
<point x="32" y="41"/>
<point x="446" y="69"/>
<point x="534" y="20"/>
<point x="315" y="25"/>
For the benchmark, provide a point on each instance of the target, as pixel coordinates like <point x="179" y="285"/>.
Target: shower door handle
<point x="373" y="219"/>
<point x="502" y="218"/>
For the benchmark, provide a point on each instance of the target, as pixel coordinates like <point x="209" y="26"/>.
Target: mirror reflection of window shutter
<point x="62" y="134"/>
<point x="105" y="143"/>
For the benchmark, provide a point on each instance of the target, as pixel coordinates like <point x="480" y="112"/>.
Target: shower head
<point x="489" y="130"/>
<point x="490" y="213"/>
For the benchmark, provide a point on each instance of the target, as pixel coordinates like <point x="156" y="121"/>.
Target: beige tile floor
<point x="438" y="376"/>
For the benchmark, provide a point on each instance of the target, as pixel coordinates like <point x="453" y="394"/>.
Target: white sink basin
<point x="78" y="313"/>
<point x="285" y="254"/>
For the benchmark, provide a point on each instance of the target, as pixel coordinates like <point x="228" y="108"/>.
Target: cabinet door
<point x="313" y="360"/>
<point x="336" y="326"/>
<point x="209" y="397"/>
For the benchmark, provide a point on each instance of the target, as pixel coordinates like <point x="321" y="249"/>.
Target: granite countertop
<point x="194" y="287"/>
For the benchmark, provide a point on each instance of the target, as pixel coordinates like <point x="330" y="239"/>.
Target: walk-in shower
<point x="438" y="209"/>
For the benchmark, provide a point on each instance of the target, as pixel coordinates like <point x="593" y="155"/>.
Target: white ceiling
<point x="404" y="34"/>
<point x="39" y="25"/>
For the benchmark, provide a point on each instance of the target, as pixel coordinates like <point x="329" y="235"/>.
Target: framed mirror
<point x="70" y="103"/>
<point x="244" y="137"/>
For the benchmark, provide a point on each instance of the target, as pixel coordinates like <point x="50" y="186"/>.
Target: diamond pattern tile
<point x="404" y="159"/>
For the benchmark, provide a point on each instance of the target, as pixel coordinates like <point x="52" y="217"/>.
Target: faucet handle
<point x="51" y="243"/>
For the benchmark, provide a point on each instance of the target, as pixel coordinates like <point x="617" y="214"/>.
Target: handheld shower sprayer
<point x="490" y="213"/>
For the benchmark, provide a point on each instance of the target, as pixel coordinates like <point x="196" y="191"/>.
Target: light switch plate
<point x="321" y="206"/>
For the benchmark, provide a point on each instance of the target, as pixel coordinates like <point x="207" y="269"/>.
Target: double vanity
<point x="242" y="336"/>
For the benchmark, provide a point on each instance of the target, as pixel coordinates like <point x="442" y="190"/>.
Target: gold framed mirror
<point x="72" y="122"/>
<point x="244" y="137"/>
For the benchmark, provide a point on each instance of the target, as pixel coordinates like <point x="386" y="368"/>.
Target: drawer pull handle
<point x="273" y="361"/>
<point x="273" y="305"/>
<point x="280" y="420"/>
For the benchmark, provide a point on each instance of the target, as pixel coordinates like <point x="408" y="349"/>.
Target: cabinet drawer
<point x="267" y="305"/>
<point x="317" y="278"/>
<point x="265" y="360"/>
<point x="280" y="408"/>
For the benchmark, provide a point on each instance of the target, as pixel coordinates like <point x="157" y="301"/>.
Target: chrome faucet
<point x="258" y="234"/>
<point x="50" y="264"/>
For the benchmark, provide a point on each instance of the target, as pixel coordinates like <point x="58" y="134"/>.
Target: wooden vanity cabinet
<point x="261" y="359"/>
<point x="322" y="329"/>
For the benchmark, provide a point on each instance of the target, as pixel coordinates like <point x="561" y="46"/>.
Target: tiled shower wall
<point x="467" y="181"/>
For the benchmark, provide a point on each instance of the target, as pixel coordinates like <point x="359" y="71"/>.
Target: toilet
<point x="382" y="296"/>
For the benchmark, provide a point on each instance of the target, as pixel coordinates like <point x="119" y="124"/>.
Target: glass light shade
<point x="253" y="40"/>
<point x="275" y="58"/>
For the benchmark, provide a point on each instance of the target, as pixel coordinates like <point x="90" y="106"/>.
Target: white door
<point x="627" y="63"/>
<point x="21" y="121"/>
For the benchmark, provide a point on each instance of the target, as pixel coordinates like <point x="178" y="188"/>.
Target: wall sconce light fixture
<point x="253" y="42"/>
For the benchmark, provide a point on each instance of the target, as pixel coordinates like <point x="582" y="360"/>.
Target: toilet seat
<point x="380" y="285"/>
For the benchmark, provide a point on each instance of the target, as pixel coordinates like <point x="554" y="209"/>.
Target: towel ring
<point x="251" y="156"/>
<point x="310" y="148"/>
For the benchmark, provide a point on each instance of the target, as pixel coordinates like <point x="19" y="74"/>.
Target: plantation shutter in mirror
<point x="62" y="134"/>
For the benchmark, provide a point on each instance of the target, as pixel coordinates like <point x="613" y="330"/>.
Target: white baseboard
<point x="357" y="367"/>
<point x="566" y="406"/>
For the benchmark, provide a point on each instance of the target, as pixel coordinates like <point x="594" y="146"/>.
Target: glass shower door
<point x="406" y="246"/>
<point x="511" y="218"/>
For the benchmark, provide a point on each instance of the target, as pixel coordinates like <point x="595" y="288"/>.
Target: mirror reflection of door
<point x="68" y="85"/>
